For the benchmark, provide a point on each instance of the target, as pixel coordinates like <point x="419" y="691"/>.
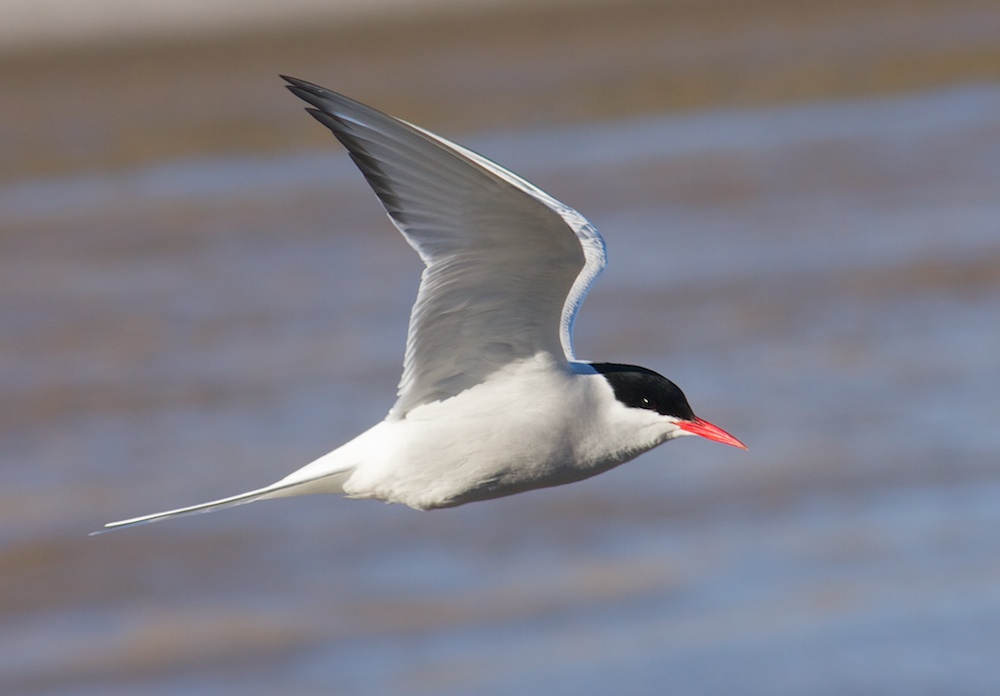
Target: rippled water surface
<point x="822" y="280"/>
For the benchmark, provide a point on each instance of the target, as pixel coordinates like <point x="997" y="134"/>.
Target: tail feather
<point x="231" y="501"/>
<point x="329" y="483"/>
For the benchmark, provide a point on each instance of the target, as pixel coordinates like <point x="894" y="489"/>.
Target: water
<point x="823" y="280"/>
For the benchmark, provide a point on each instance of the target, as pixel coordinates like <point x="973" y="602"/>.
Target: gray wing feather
<point x="507" y="265"/>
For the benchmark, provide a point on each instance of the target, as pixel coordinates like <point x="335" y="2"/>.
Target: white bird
<point x="492" y="400"/>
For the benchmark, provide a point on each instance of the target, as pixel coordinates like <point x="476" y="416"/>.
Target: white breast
<point x="530" y="425"/>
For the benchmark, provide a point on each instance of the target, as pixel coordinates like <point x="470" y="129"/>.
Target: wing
<point x="507" y="265"/>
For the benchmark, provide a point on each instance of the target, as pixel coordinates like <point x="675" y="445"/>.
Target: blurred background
<point x="198" y="294"/>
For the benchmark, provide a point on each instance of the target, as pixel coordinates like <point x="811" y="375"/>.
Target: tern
<point x="492" y="400"/>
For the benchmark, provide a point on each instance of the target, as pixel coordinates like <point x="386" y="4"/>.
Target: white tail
<point x="329" y="483"/>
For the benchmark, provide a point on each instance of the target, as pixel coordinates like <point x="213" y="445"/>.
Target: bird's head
<point x="660" y="402"/>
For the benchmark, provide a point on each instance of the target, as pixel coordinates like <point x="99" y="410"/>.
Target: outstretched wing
<point x="507" y="265"/>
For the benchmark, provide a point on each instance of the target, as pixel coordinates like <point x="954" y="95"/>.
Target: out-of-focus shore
<point x="68" y="109"/>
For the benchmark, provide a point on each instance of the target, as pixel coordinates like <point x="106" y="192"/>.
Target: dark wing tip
<point x="308" y="92"/>
<point x="319" y="100"/>
<point x="323" y="98"/>
<point x="296" y="83"/>
<point x="325" y="118"/>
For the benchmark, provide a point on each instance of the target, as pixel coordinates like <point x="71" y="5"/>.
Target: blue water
<point x="822" y="280"/>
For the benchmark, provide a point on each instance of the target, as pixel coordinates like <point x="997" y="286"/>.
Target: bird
<point x="492" y="400"/>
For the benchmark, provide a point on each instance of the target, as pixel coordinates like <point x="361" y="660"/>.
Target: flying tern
<point x="492" y="400"/>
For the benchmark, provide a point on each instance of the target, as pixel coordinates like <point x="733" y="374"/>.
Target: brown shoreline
<point x="102" y="107"/>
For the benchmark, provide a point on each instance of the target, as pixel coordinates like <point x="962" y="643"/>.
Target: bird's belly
<point x="444" y="464"/>
<point x="443" y="467"/>
<point x="534" y="430"/>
